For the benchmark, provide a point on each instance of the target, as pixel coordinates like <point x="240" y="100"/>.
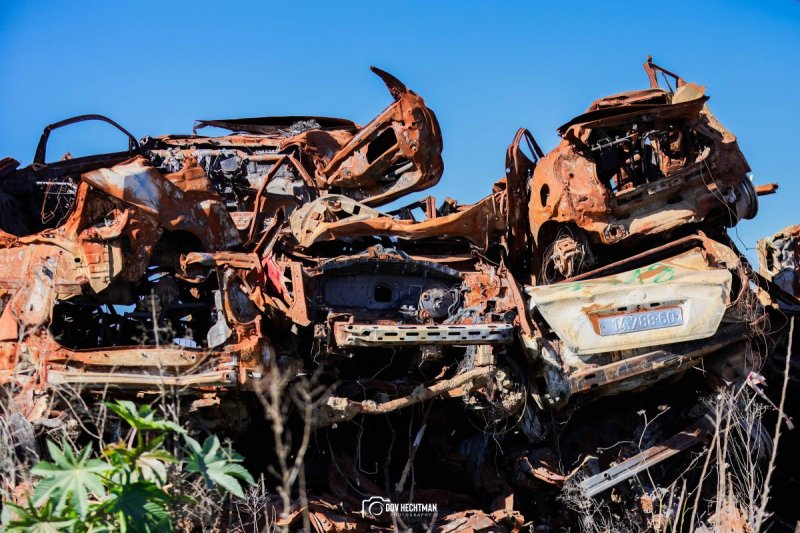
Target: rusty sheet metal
<point x="141" y="382"/>
<point x="594" y="485"/>
<point x="519" y="171"/>
<point x="331" y="218"/>
<point x="146" y="367"/>
<point x="476" y="521"/>
<point x="163" y="357"/>
<point x="690" y="294"/>
<point x="194" y="211"/>
<point x="412" y="145"/>
<point x="204" y="260"/>
<point x="638" y="371"/>
<point x="366" y="335"/>
<point x="779" y="259"/>
<point x="298" y="307"/>
<point x="277" y="126"/>
<point x="84" y="253"/>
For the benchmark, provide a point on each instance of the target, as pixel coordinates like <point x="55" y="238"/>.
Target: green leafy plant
<point x="70" y="479"/>
<point x="127" y="487"/>
<point x="38" y="520"/>
<point x="218" y="466"/>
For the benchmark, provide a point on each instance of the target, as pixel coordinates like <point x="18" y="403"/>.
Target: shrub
<point x="130" y="486"/>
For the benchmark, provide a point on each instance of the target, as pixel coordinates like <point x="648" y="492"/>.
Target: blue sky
<point x="485" y="68"/>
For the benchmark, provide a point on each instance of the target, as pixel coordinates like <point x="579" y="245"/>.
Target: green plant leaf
<point x="217" y="466"/>
<point x="141" y="506"/>
<point x="147" y="461"/>
<point x="70" y="478"/>
<point x="143" y="418"/>
<point x="33" y="520"/>
<point x="152" y="465"/>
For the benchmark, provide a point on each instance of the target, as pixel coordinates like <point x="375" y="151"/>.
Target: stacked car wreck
<point x="177" y="233"/>
<point x="602" y="267"/>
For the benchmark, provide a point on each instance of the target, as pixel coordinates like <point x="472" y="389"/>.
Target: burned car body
<point x="431" y="292"/>
<point x="641" y="320"/>
<point x="635" y="167"/>
<point x="105" y="290"/>
<point x="147" y="267"/>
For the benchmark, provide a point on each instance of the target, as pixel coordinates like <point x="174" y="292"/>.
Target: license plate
<point x="641" y="321"/>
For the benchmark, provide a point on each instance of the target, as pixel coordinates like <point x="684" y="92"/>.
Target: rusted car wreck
<point x="162" y="247"/>
<point x="491" y="333"/>
<point x="636" y="166"/>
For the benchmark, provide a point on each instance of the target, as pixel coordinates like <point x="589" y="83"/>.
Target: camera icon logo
<point x="374" y="506"/>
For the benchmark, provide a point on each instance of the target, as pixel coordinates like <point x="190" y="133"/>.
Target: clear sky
<point x="485" y="68"/>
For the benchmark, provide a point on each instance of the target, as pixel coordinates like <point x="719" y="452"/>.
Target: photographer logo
<point x="377" y="506"/>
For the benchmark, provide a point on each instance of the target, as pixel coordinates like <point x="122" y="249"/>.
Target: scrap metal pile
<point x="481" y="357"/>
